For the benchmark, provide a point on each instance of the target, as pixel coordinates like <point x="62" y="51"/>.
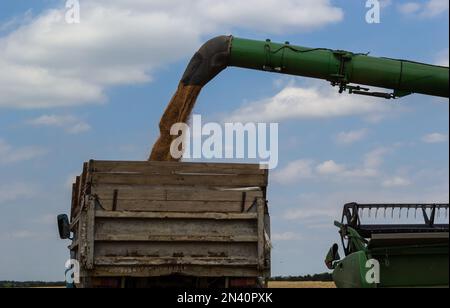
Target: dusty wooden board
<point x="172" y="193"/>
<point x="181" y="215"/>
<point x="175" y="206"/>
<point x="176" y="228"/>
<point x="90" y="235"/>
<point x="180" y="249"/>
<point x="192" y="199"/>
<point x="175" y="238"/>
<point x="146" y="261"/>
<point x="205" y="180"/>
<point x="76" y="198"/>
<point x="189" y="270"/>
<point x="168" y="168"/>
<point x="261" y="235"/>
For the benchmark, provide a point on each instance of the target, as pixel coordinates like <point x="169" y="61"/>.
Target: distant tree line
<point x="30" y="284"/>
<point x="325" y="277"/>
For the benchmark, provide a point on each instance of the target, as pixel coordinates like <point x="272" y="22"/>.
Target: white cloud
<point x="19" y="235"/>
<point x="436" y="7"/>
<point x="372" y="164"/>
<point x="286" y="237"/>
<point x="48" y="219"/>
<point x="442" y="57"/>
<point x="375" y="158"/>
<point x="396" y="182"/>
<point x="308" y="169"/>
<point x="10" y="154"/>
<point x="409" y="8"/>
<point x="49" y="63"/>
<point x="425" y="9"/>
<point x="435" y="138"/>
<point x="311" y="214"/>
<point x="15" y="191"/>
<point x="70" y="180"/>
<point x="385" y="3"/>
<point x="313" y="102"/>
<point x="69" y="123"/>
<point x="330" y="167"/>
<point x="294" y="171"/>
<point x="347" y="138"/>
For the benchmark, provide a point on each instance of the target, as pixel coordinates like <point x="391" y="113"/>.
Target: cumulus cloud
<point x="396" y="182"/>
<point x="309" y="169"/>
<point x="330" y="167"/>
<point x="50" y="63"/>
<point x="350" y="137"/>
<point x="443" y="57"/>
<point x="309" y="102"/>
<point x="15" y="191"/>
<point x="435" y="138"/>
<point x="69" y="123"/>
<point x="311" y="214"/>
<point x="426" y="9"/>
<point x="286" y="237"/>
<point x="20" y="235"/>
<point x="409" y="8"/>
<point x="299" y="169"/>
<point x="10" y="154"/>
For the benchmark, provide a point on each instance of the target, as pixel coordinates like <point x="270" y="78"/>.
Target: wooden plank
<point x="90" y="236"/>
<point x="106" y="237"/>
<point x="81" y="186"/>
<point x="211" y="195"/>
<point x="105" y="192"/>
<point x="82" y="237"/>
<point x="174" y="206"/>
<point x="134" y="261"/>
<point x="168" y="168"/>
<point x="170" y="249"/>
<point x="165" y="229"/>
<point x="152" y="215"/>
<point x="76" y="193"/>
<point x="168" y="270"/>
<point x="172" y="194"/>
<point x="74" y="245"/>
<point x="261" y="236"/>
<point x="205" y="180"/>
<point x="83" y="180"/>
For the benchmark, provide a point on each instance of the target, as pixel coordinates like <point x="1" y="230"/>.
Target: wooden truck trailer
<point x="164" y="224"/>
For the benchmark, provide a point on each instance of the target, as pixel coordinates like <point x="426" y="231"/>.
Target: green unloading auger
<point x="349" y="71"/>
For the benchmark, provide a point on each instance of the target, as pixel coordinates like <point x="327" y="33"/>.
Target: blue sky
<point x="96" y="90"/>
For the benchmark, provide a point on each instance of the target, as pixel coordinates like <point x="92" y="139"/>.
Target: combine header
<point x="392" y="255"/>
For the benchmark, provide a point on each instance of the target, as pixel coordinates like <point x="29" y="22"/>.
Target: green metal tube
<point x="341" y="68"/>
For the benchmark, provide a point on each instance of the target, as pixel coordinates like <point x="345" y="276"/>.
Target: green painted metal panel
<point x="413" y="266"/>
<point x="341" y="67"/>
<point x="351" y="272"/>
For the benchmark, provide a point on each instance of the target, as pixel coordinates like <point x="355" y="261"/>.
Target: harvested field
<point x="301" y="285"/>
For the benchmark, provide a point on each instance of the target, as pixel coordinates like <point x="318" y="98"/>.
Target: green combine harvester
<point x="392" y="255"/>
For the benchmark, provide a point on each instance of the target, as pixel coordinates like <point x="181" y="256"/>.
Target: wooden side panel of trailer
<point x="147" y="219"/>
